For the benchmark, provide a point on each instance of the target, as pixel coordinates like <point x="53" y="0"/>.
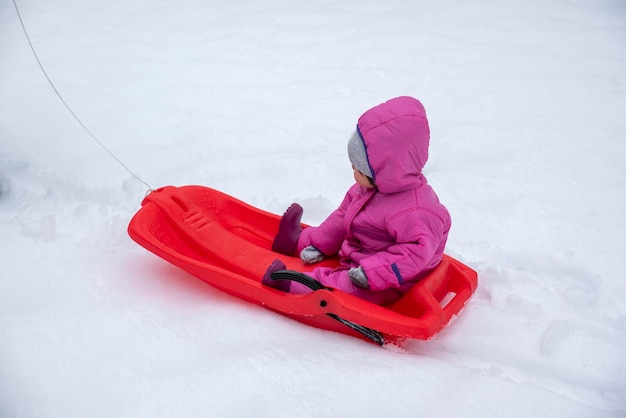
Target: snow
<point x="257" y="98"/>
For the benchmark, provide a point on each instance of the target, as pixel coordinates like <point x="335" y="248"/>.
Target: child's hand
<point x="358" y="277"/>
<point x="311" y="255"/>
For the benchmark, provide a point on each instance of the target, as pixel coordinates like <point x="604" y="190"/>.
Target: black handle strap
<point x="314" y="285"/>
<point x="369" y="333"/>
<point x="296" y="276"/>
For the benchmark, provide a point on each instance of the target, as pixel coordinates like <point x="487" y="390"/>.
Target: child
<point x="390" y="230"/>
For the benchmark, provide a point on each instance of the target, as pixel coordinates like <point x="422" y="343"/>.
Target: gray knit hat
<point x="358" y="155"/>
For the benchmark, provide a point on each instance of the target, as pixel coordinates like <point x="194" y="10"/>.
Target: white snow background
<point x="257" y="98"/>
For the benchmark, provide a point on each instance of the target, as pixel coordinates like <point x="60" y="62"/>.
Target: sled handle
<point x="463" y="287"/>
<point x="296" y="276"/>
<point x="369" y="333"/>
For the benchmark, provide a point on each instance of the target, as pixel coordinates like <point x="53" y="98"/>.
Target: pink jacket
<point x="397" y="232"/>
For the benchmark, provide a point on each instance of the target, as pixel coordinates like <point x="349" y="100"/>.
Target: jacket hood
<point x="396" y="138"/>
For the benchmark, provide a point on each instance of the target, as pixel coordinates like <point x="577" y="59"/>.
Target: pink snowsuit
<point x="397" y="231"/>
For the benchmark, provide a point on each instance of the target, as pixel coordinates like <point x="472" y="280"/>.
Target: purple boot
<point x="283" y="285"/>
<point x="289" y="229"/>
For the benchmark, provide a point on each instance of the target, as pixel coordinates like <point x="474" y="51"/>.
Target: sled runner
<point x="227" y="243"/>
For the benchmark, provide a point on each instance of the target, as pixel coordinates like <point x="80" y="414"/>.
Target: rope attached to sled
<point x="69" y="109"/>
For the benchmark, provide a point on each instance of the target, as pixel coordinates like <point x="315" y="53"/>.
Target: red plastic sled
<point x="227" y="243"/>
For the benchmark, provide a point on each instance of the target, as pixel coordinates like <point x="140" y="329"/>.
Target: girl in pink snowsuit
<point x="390" y="230"/>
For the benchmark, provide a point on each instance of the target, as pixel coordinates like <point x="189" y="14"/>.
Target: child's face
<point x="361" y="179"/>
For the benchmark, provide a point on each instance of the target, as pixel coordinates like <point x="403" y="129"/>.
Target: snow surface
<point x="526" y="101"/>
